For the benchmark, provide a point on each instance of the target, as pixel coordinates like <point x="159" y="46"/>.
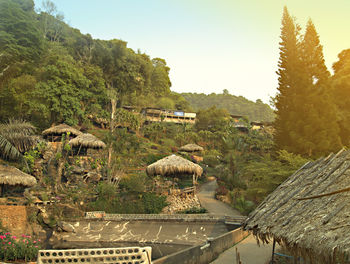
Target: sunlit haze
<point x="211" y="45"/>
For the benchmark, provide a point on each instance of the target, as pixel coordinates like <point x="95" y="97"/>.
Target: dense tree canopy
<point x="51" y="72"/>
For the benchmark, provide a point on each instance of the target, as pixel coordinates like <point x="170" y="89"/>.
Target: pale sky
<point x="211" y="45"/>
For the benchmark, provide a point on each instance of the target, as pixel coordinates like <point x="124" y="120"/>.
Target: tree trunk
<point x="113" y="104"/>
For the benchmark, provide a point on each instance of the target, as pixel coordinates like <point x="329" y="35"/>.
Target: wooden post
<point x="273" y="251"/>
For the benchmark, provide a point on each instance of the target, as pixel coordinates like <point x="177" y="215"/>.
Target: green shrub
<point x="14" y="248"/>
<point x="243" y="206"/>
<point x="194" y="210"/>
<point x="133" y="183"/>
<point x="211" y="160"/>
<point x="152" y="203"/>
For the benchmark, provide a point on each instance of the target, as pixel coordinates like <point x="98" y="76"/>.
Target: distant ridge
<point x="237" y="105"/>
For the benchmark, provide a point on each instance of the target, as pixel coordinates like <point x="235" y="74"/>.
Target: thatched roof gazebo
<point x="81" y="143"/>
<point x="191" y="148"/>
<point x="174" y="165"/>
<point x="12" y="176"/>
<point x="55" y="133"/>
<point x="309" y="212"/>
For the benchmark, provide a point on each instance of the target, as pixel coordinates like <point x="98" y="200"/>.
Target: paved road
<point x="249" y="251"/>
<point x="208" y="201"/>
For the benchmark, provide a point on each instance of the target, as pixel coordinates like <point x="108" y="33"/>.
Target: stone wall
<point x="178" y="203"/>
<point x="14" y="219"/>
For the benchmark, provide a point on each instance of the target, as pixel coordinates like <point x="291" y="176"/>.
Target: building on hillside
<point x="83" y="142"/>
<point x="11" y="177"/>
<point x="55" y="133"/>
<point x="175" y="166"/>
<point x="309" y="212"/>
<point x="161" y="115"/>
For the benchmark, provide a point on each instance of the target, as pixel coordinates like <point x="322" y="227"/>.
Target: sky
<point x="211" y="45"/>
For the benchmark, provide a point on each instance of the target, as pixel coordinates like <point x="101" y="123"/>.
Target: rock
<point x="66" y="227"/>
<point x="92" y="177"/>
<point x="77" y="170"/>
<point x="38" y="231"/>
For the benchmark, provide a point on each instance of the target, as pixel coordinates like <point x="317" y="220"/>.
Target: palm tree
<point x="16" y="137"/>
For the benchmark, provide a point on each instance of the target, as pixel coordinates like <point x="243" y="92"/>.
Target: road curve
<point x="250" y="252"/>
<point x="206" y="196"/>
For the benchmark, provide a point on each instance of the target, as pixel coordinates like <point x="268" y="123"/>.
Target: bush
<point x="221" y="190"/>
<point x="194" y="210"/>
<point x="18" y="248"/>
<point x="133" y="183"/>
<point x="211" y="160"/>
<point x="243" y="206"/>
<point x="152" y="203"/>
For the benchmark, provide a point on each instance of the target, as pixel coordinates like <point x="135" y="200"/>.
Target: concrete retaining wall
<point x="207" y="252"/>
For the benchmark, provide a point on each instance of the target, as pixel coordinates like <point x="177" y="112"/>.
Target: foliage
<point x="194" y="210"/>
<point x="126" y="119"/>
<point x="18" y="248"/>
<point x="243" y="206"/>
<point x="306" y="121"/>
<point x="212" y="119"/>
<point x="110" y="201"/>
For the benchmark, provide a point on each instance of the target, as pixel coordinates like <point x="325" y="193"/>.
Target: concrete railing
<point x="207" y="252"/>
<point x="163" y="217"/>
<point x="130" y="255"/>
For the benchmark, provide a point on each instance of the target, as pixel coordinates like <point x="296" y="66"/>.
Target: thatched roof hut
<point x="172" y="165"/>
<point x="87" y="141"/>
<point x="309" y="212"/>
<point x="59" y="130"/>
<point x="12" y="176"/>
<point x="191" y="148"/>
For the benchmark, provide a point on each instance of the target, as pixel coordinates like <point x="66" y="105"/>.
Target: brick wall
<point x="14" y="218"/>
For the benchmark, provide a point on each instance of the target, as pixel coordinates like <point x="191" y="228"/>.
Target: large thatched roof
<point x="12" y="176"/>
<point x="61" y="129"/>
<point x="173" y="165"/>
<point x="191" y="148"/>
<point x="310" y="211"/>
<point x="87" y="141"/>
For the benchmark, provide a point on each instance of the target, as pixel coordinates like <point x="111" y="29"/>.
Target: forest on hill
<point x="52" y="73"/>
<point x="235" y="105"/>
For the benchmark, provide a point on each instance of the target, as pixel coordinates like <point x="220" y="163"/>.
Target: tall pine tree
<point x="306" y="122"/>
<point x="289" y="72"/>
<point x="319" y="131"/>
<point x="341" y="92"/>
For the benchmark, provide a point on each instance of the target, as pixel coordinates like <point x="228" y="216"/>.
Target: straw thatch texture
<point x="317" y="227"/>
<point x="87" y="141"/>
<point x="191" y="148"/>
<point x="12" y="176"/>
<point x="173" y="165"/>
<point x="61" y="129"/>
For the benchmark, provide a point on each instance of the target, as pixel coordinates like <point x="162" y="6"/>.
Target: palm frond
<point x="22" y="142"/>
<point x="7" y="150"/>
<point x="17" y="126"/>
<point x="16" y="136"/>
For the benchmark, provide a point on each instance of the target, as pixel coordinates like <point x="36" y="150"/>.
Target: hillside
<point x="236" y="105"/>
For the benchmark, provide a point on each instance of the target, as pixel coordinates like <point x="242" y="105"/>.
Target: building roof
<point x="61" y="129"/>
<point x="88" y="141"/>
<point x="309" y="212"/>
<point x="191" y="148"/>
<point x="10" y="175"/>
<point x="173" y="165"/>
